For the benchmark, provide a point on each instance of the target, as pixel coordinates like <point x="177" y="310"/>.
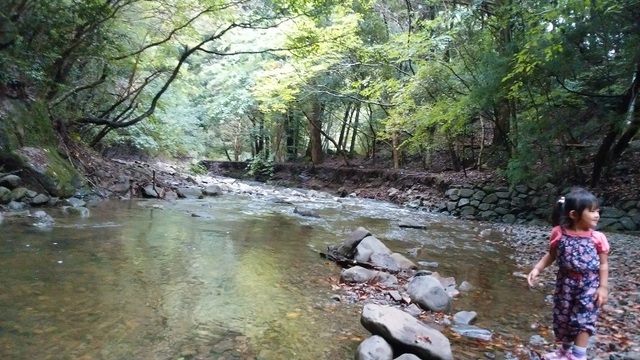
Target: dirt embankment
<point x="364" y="181"/>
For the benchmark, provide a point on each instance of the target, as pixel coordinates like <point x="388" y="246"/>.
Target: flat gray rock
<point x="405" y="333"/>
<point x="411" y="224"/>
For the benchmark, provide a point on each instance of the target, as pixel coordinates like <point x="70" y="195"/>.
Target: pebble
<point x="537" y="340"/>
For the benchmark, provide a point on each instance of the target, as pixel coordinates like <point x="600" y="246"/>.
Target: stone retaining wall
<point x="531" y="205"/>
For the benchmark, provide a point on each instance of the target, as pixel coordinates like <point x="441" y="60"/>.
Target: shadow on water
<point x="242" y="281"/>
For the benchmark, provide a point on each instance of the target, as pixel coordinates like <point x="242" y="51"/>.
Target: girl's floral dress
<point x="578" y="278"/>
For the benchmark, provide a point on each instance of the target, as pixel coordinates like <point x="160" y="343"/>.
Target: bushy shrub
<point x="198" y="169"/>
<point x="261" y="168"/>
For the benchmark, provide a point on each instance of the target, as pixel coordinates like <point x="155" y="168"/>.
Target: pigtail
<point x="558" y="212"/>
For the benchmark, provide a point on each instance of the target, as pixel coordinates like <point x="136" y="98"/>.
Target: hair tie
<point x="561" y="200"/>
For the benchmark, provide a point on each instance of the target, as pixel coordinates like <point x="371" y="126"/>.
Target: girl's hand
<point x="602" y="294"/>
<point x="532" y="276"/>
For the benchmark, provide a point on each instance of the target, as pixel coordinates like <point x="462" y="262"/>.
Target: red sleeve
<point x="554" y="239"/>
<point x="601" y="242"/>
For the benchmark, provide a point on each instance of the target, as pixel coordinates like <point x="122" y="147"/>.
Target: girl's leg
<point x="582" y="339"/>
<point x="586" y="314"/>
<point x="562" y="305"/>
<point x="579" y="351"/>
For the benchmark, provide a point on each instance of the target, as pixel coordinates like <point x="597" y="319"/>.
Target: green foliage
<point x="175" y="130"/>
<point x="320" y="51"/>
<point x="261" y="168"/>
<point x="198" y="169"/>
<point x="552" y="74"/>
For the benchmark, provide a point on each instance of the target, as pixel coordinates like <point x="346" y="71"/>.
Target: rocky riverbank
<point x="383" y="278"/>
<point x="471" y="195"/>
<point x="619" y="323"/>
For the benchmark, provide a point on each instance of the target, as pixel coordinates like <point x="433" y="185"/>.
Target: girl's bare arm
<point x="546" y="260"/>
<point x="603" y="290"/>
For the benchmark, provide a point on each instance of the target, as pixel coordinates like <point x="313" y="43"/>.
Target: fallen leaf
<point x="423" y="339"/>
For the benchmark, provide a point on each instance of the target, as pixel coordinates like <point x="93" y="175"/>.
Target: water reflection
<point x="245" y="282"/>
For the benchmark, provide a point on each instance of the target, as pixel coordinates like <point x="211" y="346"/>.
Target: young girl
<point x="583" y="273"/>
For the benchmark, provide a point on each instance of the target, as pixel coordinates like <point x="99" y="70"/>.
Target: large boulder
<point x="212" y="190"/>
<point x="405" y="333"/>
<point x="368" y="247"/>
<point x="385" y="262"/>
<point x="190" y="193"/>
<point x="428" y="292"/>
<point x="10" y="181"/>
<point x="18" y="194"/>
<point x="28" y="143"/>
<point x="357" y="274"/>
<point x="45" y="171"/>
<point x="407" y="357"/>
<point x="403" y="262"/>
<point x="374" y="348"/>
<point x="8" y="31"/>
<point x="5" y="195"/>
<point x="348" y="247"/>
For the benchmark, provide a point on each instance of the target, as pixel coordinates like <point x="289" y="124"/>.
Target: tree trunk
<point x="343" y="127"/>
<point x="480" y="152"/>
<point x="355" y="131"/>
<point x="260" y="144"/>
<point x="394" y="150"/>
<point x="257" y="135"/>
<point x="101" y="134"/>
<point x="279" y="133"/>
<point x="602" y="156"/>
<point x="237" y="148"/>
<point x="331" y="140"/>
<point x="626" y="137"/>
<point x="374" y="138"/>
<point x="607" y="151"/>
<point x="290" y="135"/>
<point x="502" y="125"/>
<point x="315" y="128"/>
<point x="633" y="117"/>
<point x="226" y="151"/>
<point x="455" y="161"/>
<point x="504" y="108"/>
<point x="348" y="128"/>
<point x="252" y="136"/>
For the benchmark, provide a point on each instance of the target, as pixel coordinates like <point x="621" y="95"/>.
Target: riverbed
<point x="229" y="277"/>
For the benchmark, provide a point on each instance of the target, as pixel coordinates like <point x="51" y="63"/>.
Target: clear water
<point x="245" y="281"/>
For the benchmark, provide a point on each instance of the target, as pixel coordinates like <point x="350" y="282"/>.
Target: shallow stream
<point x="145" y="280"/>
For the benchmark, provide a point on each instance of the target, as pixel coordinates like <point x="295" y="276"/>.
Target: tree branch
<point x="154" y="102"/>
<point x="175" y="30"/>
<point x="100" y="80"/>
<point x="561" y="83"/>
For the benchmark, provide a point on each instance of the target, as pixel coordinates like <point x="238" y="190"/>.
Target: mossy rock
<point x="28" y="144"/>
<point x="5" y="195"/>
<point x="44" y="170"/>
<point x="8" y="31"/>
<point x="18" y="194"/>
<point x="23" y="124"/>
